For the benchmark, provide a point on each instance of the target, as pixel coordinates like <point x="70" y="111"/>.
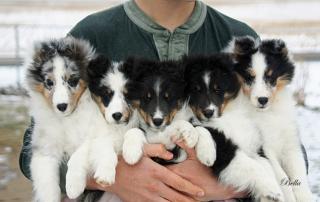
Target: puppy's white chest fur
<point x="278" y="125"/>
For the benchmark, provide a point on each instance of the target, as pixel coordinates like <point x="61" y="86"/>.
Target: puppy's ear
<point x="274" y="47"/>
<point x="78" y="49"/>
<point x="245" y="45"/>
<point x="41" y="53"/>
<point x="97" y="68"/>
<point x="44" y="50"/>
<point x="128" y="66"/>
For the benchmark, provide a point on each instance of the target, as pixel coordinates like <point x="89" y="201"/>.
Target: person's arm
<point x="26" y="153"/>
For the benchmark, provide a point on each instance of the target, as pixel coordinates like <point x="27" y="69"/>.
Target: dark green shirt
<point x="125" y="31"/>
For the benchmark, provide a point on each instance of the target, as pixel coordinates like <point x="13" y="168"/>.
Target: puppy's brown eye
<point x="49" y="82"/>
<point x="73" y="82"/>
<point x="148" y="95"/>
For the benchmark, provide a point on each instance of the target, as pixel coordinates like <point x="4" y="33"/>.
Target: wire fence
<point x="17" y="40"/>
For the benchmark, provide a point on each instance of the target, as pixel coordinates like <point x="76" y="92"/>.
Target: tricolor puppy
<point x="62" y="109"/>
<point x="108" y="83"/>
<point x="218" y="103"/>
<point x="158" y="93"/>
<point x="266" y="70"/>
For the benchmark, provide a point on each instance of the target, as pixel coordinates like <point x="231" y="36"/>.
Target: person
<point x="159" y="30"/>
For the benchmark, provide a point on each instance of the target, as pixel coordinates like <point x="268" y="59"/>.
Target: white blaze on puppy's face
<point x="261" y="91"/>
<point x="117" y="110"/>
<point x="62" y="86"/>
<point x="60" y="97"/>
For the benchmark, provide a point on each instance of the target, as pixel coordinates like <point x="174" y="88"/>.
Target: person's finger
<point x="157" y="150"/>
<point x="162" y="200"/>
<point x="190" y="151"/>
<point x="172" y="195"/>
<point x="175" y="181"/>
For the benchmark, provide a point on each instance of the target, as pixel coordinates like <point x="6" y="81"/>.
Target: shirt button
<point x="166" y="33"/>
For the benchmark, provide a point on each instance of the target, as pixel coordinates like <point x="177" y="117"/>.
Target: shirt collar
<point x="137" y="16"/>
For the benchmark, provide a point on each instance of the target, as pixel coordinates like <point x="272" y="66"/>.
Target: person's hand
<point x="199" y="174"/>
<point x="149" y="181"/>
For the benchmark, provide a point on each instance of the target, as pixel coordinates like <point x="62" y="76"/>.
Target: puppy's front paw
<point x="184" y="130"/>
<point x="272" y="196"/>
<point x="132" y="148"/>
<point x="206" y="155"/>
<point x="105" y="176"/>
<point x="75" y="184"/>
<point x="132" y="153"/>
<point x="205" y="148"/>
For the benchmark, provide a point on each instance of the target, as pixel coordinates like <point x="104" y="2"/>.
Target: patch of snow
<point x="309" y="125"/>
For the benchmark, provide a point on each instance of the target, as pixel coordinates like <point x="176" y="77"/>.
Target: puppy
<point x="158" y="93"/>
<point x="218" y="103"/>
<point x="62" y="109"/>
<point x="266" y="70"/>
<point x="107" y="83"/>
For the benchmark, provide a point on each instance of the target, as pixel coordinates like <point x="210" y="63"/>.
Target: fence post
<point x="17" y="53"/>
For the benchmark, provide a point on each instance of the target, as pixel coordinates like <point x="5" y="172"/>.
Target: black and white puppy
<point x="266" y="70"/>
<point x="108" y="83"/>
<point x="218" y="103"/>
<point x="158" y="93"/>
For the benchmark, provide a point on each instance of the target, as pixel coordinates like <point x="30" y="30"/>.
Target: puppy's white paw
<point x="184" y="130"/>
<point x="105" y="176"/>
<point x="132" y="148"/>
<point x="206" y="155"/>
<point x="75" y="184"/>
<point x="272" y="196"/>
<point x="132" y="153"/>
<point x="205" y="148"/>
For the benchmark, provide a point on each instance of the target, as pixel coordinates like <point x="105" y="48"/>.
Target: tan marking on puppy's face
<point x="127" y="114"/>
<point x="146" y="117"/>
<point x="168" y="119"/>
<point x="282" y="82"/>
<point x="76" y="95"/>
<point x="198" y="112"/>
<point x="98" y="101"/>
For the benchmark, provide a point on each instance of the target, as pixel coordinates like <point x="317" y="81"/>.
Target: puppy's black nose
<point x="263" y="100"/>
<point x="117" y="116"/>
<point x="208" y="113"/>
<point x="157" y="121"/>
<point x="62" y="107"/>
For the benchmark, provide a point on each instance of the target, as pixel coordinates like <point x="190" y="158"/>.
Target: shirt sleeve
<point x="26" y="152"/>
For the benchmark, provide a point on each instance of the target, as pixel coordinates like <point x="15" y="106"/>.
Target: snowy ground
<point x="309" y="124"/>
